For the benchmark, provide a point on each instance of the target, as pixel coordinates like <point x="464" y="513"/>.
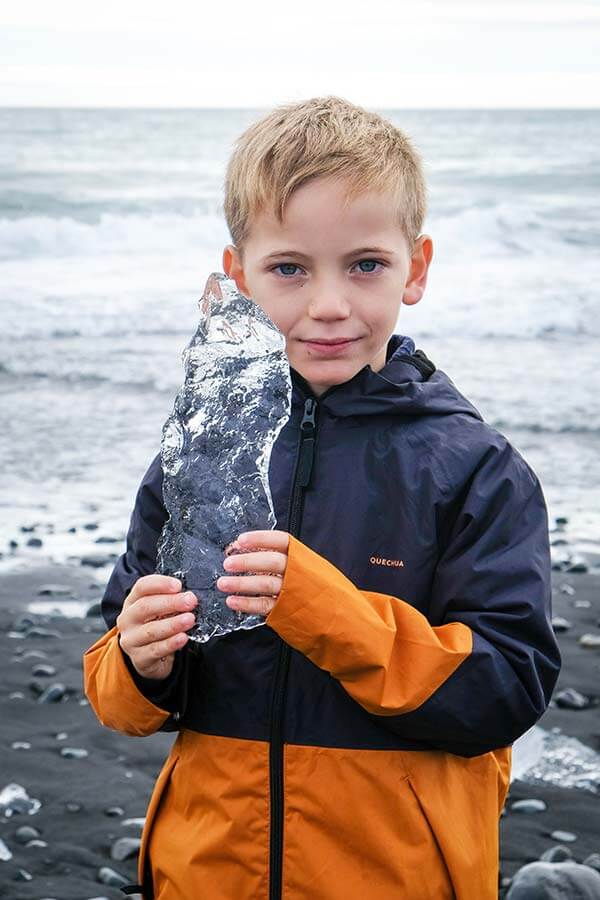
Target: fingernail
<point x="175" y="583"/>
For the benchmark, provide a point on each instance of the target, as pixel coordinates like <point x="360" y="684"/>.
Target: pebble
<point x="91" y="526"/>
<point x="555" y="881"/>
<point x="53" y="694"/>
<point x="73" y="807"/>
<point x="39" y="632"/>
<point x="107" y="540"/>
<point x="34" y="542"/>
<point x="74" y="752"/>
<point x="590" y="641"/>
<point x="13" y="544"/>
<point x="93" y="611"/>
<point x="5" y="853"/>
<point x="124" y="848"/>
<point x="136" y="823"/>
<point x="567" y="589"/>
<point x="567" y="837"/>
<point x="528" y="806"/>
<point x="577" y="567"/>
<point x="61" y="736"/>
<point x="20" y="745"/>
<point x="97" y="560"/>
<point x="571" y="699"/>
<point x="106" y="875"/>
<point x="114" y="811"/>
<point x="42" y="670"/>
<point x="16" y="695"/>
<point x="556" y="854"/>
<point x="34" y="654"/>
<point x="54" y="590"/>
<point x="26" y="833"/>
<point x="22" y="875"/>
<point x="582" y="604"/>
<point x="36" y="843"/>
<point x="593" y="861"/>
<point x="23" y="623"/>
<point x="560" y="625"/>
<point x="561" y="520"/>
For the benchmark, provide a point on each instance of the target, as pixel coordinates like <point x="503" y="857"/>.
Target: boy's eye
<point x="369" y="262"/>
<point x="286" y="266"/>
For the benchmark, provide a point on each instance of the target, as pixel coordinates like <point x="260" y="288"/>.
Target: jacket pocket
<point x="162" y="781"/>
<point x="436" y="882"/>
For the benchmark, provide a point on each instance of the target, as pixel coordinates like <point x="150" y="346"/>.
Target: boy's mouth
<point x="330" y="346"/>
<point x="330" y="342"/>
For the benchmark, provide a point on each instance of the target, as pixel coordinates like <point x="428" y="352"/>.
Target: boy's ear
<point x="233" y="268"/>
<point x="419" y="267"/>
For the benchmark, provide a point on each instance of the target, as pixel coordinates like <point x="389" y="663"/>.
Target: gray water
<point x="111" y="221"/>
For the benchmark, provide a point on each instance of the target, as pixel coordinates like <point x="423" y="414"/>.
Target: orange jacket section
<point x="358" y="823"/>
<point x="381" y="649"/>
<point x="114" y="697"/>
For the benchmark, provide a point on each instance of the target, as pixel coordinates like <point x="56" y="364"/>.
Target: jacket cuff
<point x="162" y="692"/>
<point x="112" y="692"/>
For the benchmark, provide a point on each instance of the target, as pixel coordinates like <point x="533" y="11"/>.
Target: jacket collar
<point x="409" y="383"/>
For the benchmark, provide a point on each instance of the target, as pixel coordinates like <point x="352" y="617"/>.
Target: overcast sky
<point x="258" y="53"/>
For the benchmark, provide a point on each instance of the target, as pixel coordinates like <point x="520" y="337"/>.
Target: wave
<point x="505" y="229"/>
<point x="84" y="378"/>
<point x="46" y="236"/>
<point x="510" y="229"/>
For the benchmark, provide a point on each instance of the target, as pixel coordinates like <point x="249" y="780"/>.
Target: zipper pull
<point x="307" y="447"/>
<point x="310" y="411"/>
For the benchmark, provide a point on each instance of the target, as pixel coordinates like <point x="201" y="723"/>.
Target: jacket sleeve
<point x="113" y="694"/>
<point x="112" y="684"/>
<point x="479" y="669"/>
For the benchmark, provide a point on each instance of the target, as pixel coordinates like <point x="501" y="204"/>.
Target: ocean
<point x="111" y="221"/>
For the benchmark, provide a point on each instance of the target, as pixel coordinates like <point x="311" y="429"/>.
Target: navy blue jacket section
<point x="405" y="469"/>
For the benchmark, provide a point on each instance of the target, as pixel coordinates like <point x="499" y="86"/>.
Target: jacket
<point x="358" y="744"/>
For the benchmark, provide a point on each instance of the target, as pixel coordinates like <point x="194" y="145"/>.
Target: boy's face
<point x="325" y="285"/>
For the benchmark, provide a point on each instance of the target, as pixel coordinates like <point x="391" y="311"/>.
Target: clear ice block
<point x="216" y="447"/>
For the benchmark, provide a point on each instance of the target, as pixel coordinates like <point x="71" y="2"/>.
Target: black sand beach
<point x="76" y="794"/>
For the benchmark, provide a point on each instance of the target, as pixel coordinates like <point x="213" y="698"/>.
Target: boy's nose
<point x="329" y="304"/>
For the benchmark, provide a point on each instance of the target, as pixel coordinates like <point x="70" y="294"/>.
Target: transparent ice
<point x="216" y="447"/>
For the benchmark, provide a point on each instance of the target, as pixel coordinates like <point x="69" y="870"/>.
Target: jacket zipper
<point x="302" y="473"/>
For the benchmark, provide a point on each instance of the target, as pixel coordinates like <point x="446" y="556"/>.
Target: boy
<point x="358" y="744"/>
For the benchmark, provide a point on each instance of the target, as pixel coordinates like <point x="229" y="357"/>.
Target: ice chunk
<point x="216" y="447"/>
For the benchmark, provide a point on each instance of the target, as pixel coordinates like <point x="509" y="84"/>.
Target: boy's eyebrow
<point x="351" y="253"/>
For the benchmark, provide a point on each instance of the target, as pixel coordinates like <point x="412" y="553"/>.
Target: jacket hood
<point x="408" y="384"/>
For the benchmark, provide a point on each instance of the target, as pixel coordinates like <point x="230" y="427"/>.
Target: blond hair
<point x="323" y="136"/>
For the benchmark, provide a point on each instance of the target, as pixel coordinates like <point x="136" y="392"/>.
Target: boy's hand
<point x="264" y="555"/>
<point x="153" y="622"/>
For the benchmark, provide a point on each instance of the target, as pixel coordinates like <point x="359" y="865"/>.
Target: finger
<point x="146" y="609"/>
<point x="153" y="584"/>
<point x="250" y="584"/>
<point x="153" y="632"/>
<point x="260" y="606"/>
<point x="261" y="561"/>
<point x="264" y="540"/>
<point x="152" y="653"/>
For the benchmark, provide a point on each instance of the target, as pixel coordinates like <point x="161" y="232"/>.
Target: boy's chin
<point x="320" y="377"/>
